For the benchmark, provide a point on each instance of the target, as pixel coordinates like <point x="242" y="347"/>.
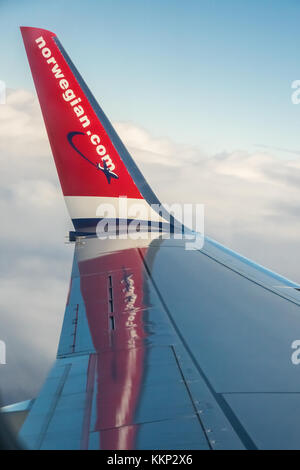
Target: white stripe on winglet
<point x="91" y="207"/>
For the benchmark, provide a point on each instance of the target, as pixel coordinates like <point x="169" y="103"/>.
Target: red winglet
<point x="89" y="156"/>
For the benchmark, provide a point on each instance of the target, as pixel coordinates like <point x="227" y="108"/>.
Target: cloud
<point x="35" y="263"/>
<point x="251" y="199"/>
<point x="155" y="150"/>
<point x="251" y="204"/>
<point x="20" y="126"/>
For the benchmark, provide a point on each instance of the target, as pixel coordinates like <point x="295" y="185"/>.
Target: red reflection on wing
<point x="112" y="287"/>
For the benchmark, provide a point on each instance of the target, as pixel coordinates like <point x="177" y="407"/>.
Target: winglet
<point x="92" y="163"/>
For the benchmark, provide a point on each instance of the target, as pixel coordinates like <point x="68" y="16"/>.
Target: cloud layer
<point x="251" y="204"/>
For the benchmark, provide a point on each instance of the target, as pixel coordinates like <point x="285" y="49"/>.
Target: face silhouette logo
<point x="105" y="168"/>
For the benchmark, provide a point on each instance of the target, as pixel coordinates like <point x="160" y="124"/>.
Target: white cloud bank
<point x="251" y="204"/>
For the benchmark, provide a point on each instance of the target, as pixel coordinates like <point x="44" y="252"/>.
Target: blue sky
<point x="215" y="74"/>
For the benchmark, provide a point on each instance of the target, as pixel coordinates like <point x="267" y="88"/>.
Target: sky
<point x="200" y="90"/>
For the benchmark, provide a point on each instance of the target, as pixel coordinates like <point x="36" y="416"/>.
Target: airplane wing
<point x="161" y="347"/>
